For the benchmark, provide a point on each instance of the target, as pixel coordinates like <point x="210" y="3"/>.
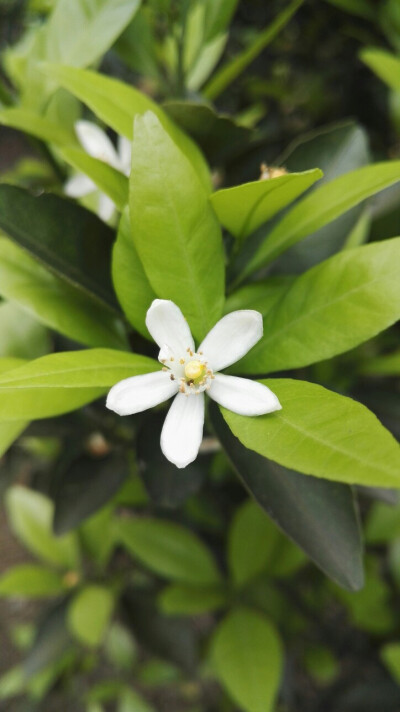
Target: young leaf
<point x="169" y="549"/>
<point x="322" y="206"/>
<point x="31" y="581"/>
<point x="247" y="655"/>
<point x="33" y="124"/>
<point x="109" y="180"/>
<point x="61" y="382"/>
<point x="330" y="309"/>
<point x="116" y="103"/>
<point x="319" y="516"/>
<point x="31" y="517"/>
<point x="184" y="258"/>
<point x="68" y="239"/>
<point x="56" y="303"/>
<point x="244" y="208"/>
<point x="131" y="285"/>
<point x="384" y="64"/>
<point x="89" y="614"/>
<point x="321" y="433"/>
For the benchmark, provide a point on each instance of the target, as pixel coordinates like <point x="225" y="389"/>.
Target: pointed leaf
<point x="384" y="64"/>
<point x="321" y="433"/>
<point x="33" y="124"/>
<point x="184" y="258"/>
<point x="31" y="581"/>
<point x="247" y="655"/>
<point x="320" y="516"/>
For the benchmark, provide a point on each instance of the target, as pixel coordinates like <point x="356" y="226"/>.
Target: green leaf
<point x="116" y="103"/>
<point x="238" y="64"/>
<point x="68" y="239"/>
<point x="324" y="205"/>
<point x="33" y="124"/>
<point x="390" y="654"/>
<point x="384" y="64"/>
<point x="387" y="365"/>
<point x="321" y="433"/>
<point x="131" y="285"/>
<point x="184" y="259"/>
<point x="383" y="524"/>
<point x="31" y="581"/>
<point x="56" y="303"/>
<point x="244" y="208"/>
<point x="218" y="16"/>
<point x="31" y="517"/>
<point x="52" y="641"/>
<point x="330" y="309"/>
<point x="319" y="516"/>
<point x="169" y="549"/>
<point x="21" y="335"/>
<point x="9" y="432"/>
<point x="247" y="655"/>
<point x="261" y="296"/>
<point x="61" y="382"/>
<point x="89" y="614"/>
<point x="181" y="600"/>
<point x="108" y="179"/>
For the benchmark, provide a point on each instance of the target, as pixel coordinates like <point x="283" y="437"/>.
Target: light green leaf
<point x="390" y="654"/>
<point x="61" y="382"/>
<point x="387" y="365"/>
<point x="89" y="614"/>
<point x="31" y="516"/>
<point x="56" y="303"/>
<point x="261" y="296"/>
<point x="108" y="179"/>
<point x="247" y="655"/>
<point x="116" y="103"/>
<point x="169" y="549"/>
<point x="330" y="309"/>
<point x="229" y="72"/>
<point x="184" y="259"/>
<point x="131" y="285"/>
<point x="383" y="524"/>
<point x="181" y="600"/>
<point x="384" y="64"/>
<point x="31" y="581"/>
<point x="218" y="16"/>
<point x="251" y="543"/>
<point x="321" y="433"/>
<point x="244" y="208"/>
<point x="35" y="125"/>
<point x="21" y="335"/>
<point x="322" y="206"/>
<point x="9" y="432"/>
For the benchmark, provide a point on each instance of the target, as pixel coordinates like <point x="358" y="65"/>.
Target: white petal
<point x="96" y="142"/>
<point x="182" y="432"/>
<point x="125" y="154"/>
<point x="168" y="326"/>
<point x="106" y="207"/>
<point x="231" y="338"/>
<point x="78" y="186"/>
<point x="243" y="396"/>
<point x="132" y="395"/>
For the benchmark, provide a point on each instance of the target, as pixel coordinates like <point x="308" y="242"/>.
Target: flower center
<point x="194" y="371"/>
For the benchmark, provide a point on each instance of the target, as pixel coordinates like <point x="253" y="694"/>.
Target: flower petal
<point x="78" y="186"/>
<point x="96" y="142"/>
<point x="182" y="432"/>
<point x="243" y="396"/>
<point x="125" y="154"/>
<point x="168" y="326"/>
<point x="106" y="207"/>
<point x="231" y="338"/>
<point x="132" y="395"/>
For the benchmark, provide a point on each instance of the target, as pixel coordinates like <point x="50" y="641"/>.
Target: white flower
<point x="187" y="374"/>
<point x="97" y="144"/>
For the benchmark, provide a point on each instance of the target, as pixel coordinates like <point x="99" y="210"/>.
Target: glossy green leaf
<point x="330" y="309"/>
<point x="244" y="208"/>
<point x="168" y="549"/>
<point x="229" y="72"/>
<point x="131" y="285"/>
<point x="56" y="303"/>
<point x="321" y="433"/>
<point x="31" y="581"/>
<point x="33" y="124"/>
<point x="184" y="259"/>
<point x="324" y="205"/>
<point x="21" y="335"/>
<point x="61" y="382"/>
<point x="31" y="516"/>
<point x="181" y="600"/>
<point x="319" y="516"/>
<point x="247" y="656"/>
<point x="68" y="239"/>
<point x="89" y="614"/>
<point x="116" y="103"/>
<point x="384" y="64"/>
<point x="108" y="179"/>
<point x="261" y="296"/>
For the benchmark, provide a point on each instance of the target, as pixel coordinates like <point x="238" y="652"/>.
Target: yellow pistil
<point x="194" y="371"/>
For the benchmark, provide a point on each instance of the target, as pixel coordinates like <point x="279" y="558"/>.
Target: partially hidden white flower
<point x="188" y="374"/>
<point x="97" y="144"/>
